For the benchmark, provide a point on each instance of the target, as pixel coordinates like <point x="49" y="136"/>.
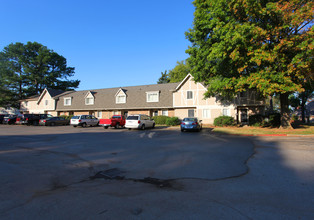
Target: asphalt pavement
<point x="92" y="173"/>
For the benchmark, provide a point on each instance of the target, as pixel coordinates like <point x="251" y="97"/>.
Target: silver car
<point x="84" y="121"/>
<point x="139" y="122"/>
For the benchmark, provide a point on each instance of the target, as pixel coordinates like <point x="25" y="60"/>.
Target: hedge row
<point x="165" y="120"/>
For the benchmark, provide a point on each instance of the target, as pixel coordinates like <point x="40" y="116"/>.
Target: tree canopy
<point x="177" y="74"/>
<point x="27" y="69"/>
<point x="244" y="44"/>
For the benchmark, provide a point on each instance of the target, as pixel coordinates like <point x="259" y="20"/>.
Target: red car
<point x="115" y="121"/>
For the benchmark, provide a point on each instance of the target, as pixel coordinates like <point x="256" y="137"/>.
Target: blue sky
<point x="110" y="43"/>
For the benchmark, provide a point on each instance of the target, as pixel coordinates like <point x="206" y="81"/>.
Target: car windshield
<point x="118" y="117"/>
<point x="132" y="118"/>
<point x="75" y="117"/>
<point x="190" y="119"/>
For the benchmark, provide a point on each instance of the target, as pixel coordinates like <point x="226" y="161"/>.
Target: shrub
<point x="173" y="121"/>
<point x="224" y="121"/>
<point x="273" y="120"/>
<point x="160" y="120"/>
<point x="66" y="116"/>
<point x="256" y="120"/>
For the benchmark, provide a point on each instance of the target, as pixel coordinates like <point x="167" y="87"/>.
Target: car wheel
<point x="84" y="125"/>
<point x="105" y="127"/>
<point x="129" y="129"/>
<point x="117" y="125"/>
<point x="154" y="125"/>
<point x="74" y="126"/>
<point x="52" y="124"/>
<point x="182" y="130"/>
<point x="143" y="127"/>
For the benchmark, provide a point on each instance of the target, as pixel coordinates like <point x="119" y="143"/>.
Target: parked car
<point x="2" y="118"/>
<point x="52" y="121"/>
<point x="9" y="119"/>
<point x="31" y="119"/>
<point x="139" y="121"/>
<point x="115" y="121"/>
<point x="191" y="124"/>
<point x="84" y="120"/>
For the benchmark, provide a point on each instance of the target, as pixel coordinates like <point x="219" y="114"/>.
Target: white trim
<point x="152" y="92"/>
<point x="67" y="98"/>
<point x="92" y="98"/>
<point x="183" y="81"/>
<point x="122" y="102"/>
<point x="42" y="95"/>
<point x="119" y="91"/>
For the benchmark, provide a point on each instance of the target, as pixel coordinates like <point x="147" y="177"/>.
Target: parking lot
<point x="91" y="173"/>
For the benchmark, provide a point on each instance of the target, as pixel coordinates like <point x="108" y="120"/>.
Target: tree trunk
<point x="303" y="102"/>
<point x="271" y="105"/>
<point x="284" y="111"/>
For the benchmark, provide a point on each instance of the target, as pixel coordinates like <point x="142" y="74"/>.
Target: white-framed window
<point x="152" y="96"/>
<point x="206" y="113"/>
<point x="89" y="101"/>
<point x="189" y="94"/>
<point x="99" y="114"/>
<point x="165" y="112"/>
<point x="120" y="99"/>
<point x="226" y="112"/>
<point x="116" y="113"/>
<point x="46" y="102"/>
<point x="67" y="101"/>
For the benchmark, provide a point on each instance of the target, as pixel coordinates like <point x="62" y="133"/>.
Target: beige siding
<point x="212" y="106"/>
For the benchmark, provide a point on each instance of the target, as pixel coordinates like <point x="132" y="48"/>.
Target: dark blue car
<point x="191" y="124"/>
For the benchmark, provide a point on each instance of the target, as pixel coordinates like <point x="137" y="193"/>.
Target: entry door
<point x="244" y="118"/>
<point x="191" y="113"/>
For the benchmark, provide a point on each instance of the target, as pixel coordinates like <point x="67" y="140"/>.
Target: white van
<point x="84" y="120"/>
<point x="139" y="122"/>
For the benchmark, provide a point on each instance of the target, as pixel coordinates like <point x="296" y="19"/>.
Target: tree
<point x="300" y="100"/>
<point x="164" y="78"/>
<point x="179" y="72"/>
<point x="262" y="45"/>
<point x="26" y="69"/>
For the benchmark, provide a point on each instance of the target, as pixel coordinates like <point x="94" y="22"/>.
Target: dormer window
<point x="89" y="101"/>
<point x="120" y="99"/>
<point x="152" y="96"/>
<point x="89" y="98"/>
<point x="67" y="101"/>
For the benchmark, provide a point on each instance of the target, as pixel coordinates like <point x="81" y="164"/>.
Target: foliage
<point x="177" y="74"/>
<point x="256" y="120"/>
<point x="172" y="121"/>
<point x="26" y="69"/>
<point x="262" y="45"/>
<point x="224" y="121"/>
<point x="272" y="120"/>
<point x="164" y="78"/>
<point x="160" y="119"/>
<point x="66" y="116"/>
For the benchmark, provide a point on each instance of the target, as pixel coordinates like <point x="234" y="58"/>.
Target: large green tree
<point x="177" y="74"/>
<point x="246" y="44"/>
<point x="26" y="69"/>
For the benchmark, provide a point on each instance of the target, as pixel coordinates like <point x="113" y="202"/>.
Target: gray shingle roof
<point x="105" y="99"/>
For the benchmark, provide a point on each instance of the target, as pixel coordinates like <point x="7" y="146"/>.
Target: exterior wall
<point x="198" y="103"/>
<point x="81" y="113"/>
<point x="135" y="112"/>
